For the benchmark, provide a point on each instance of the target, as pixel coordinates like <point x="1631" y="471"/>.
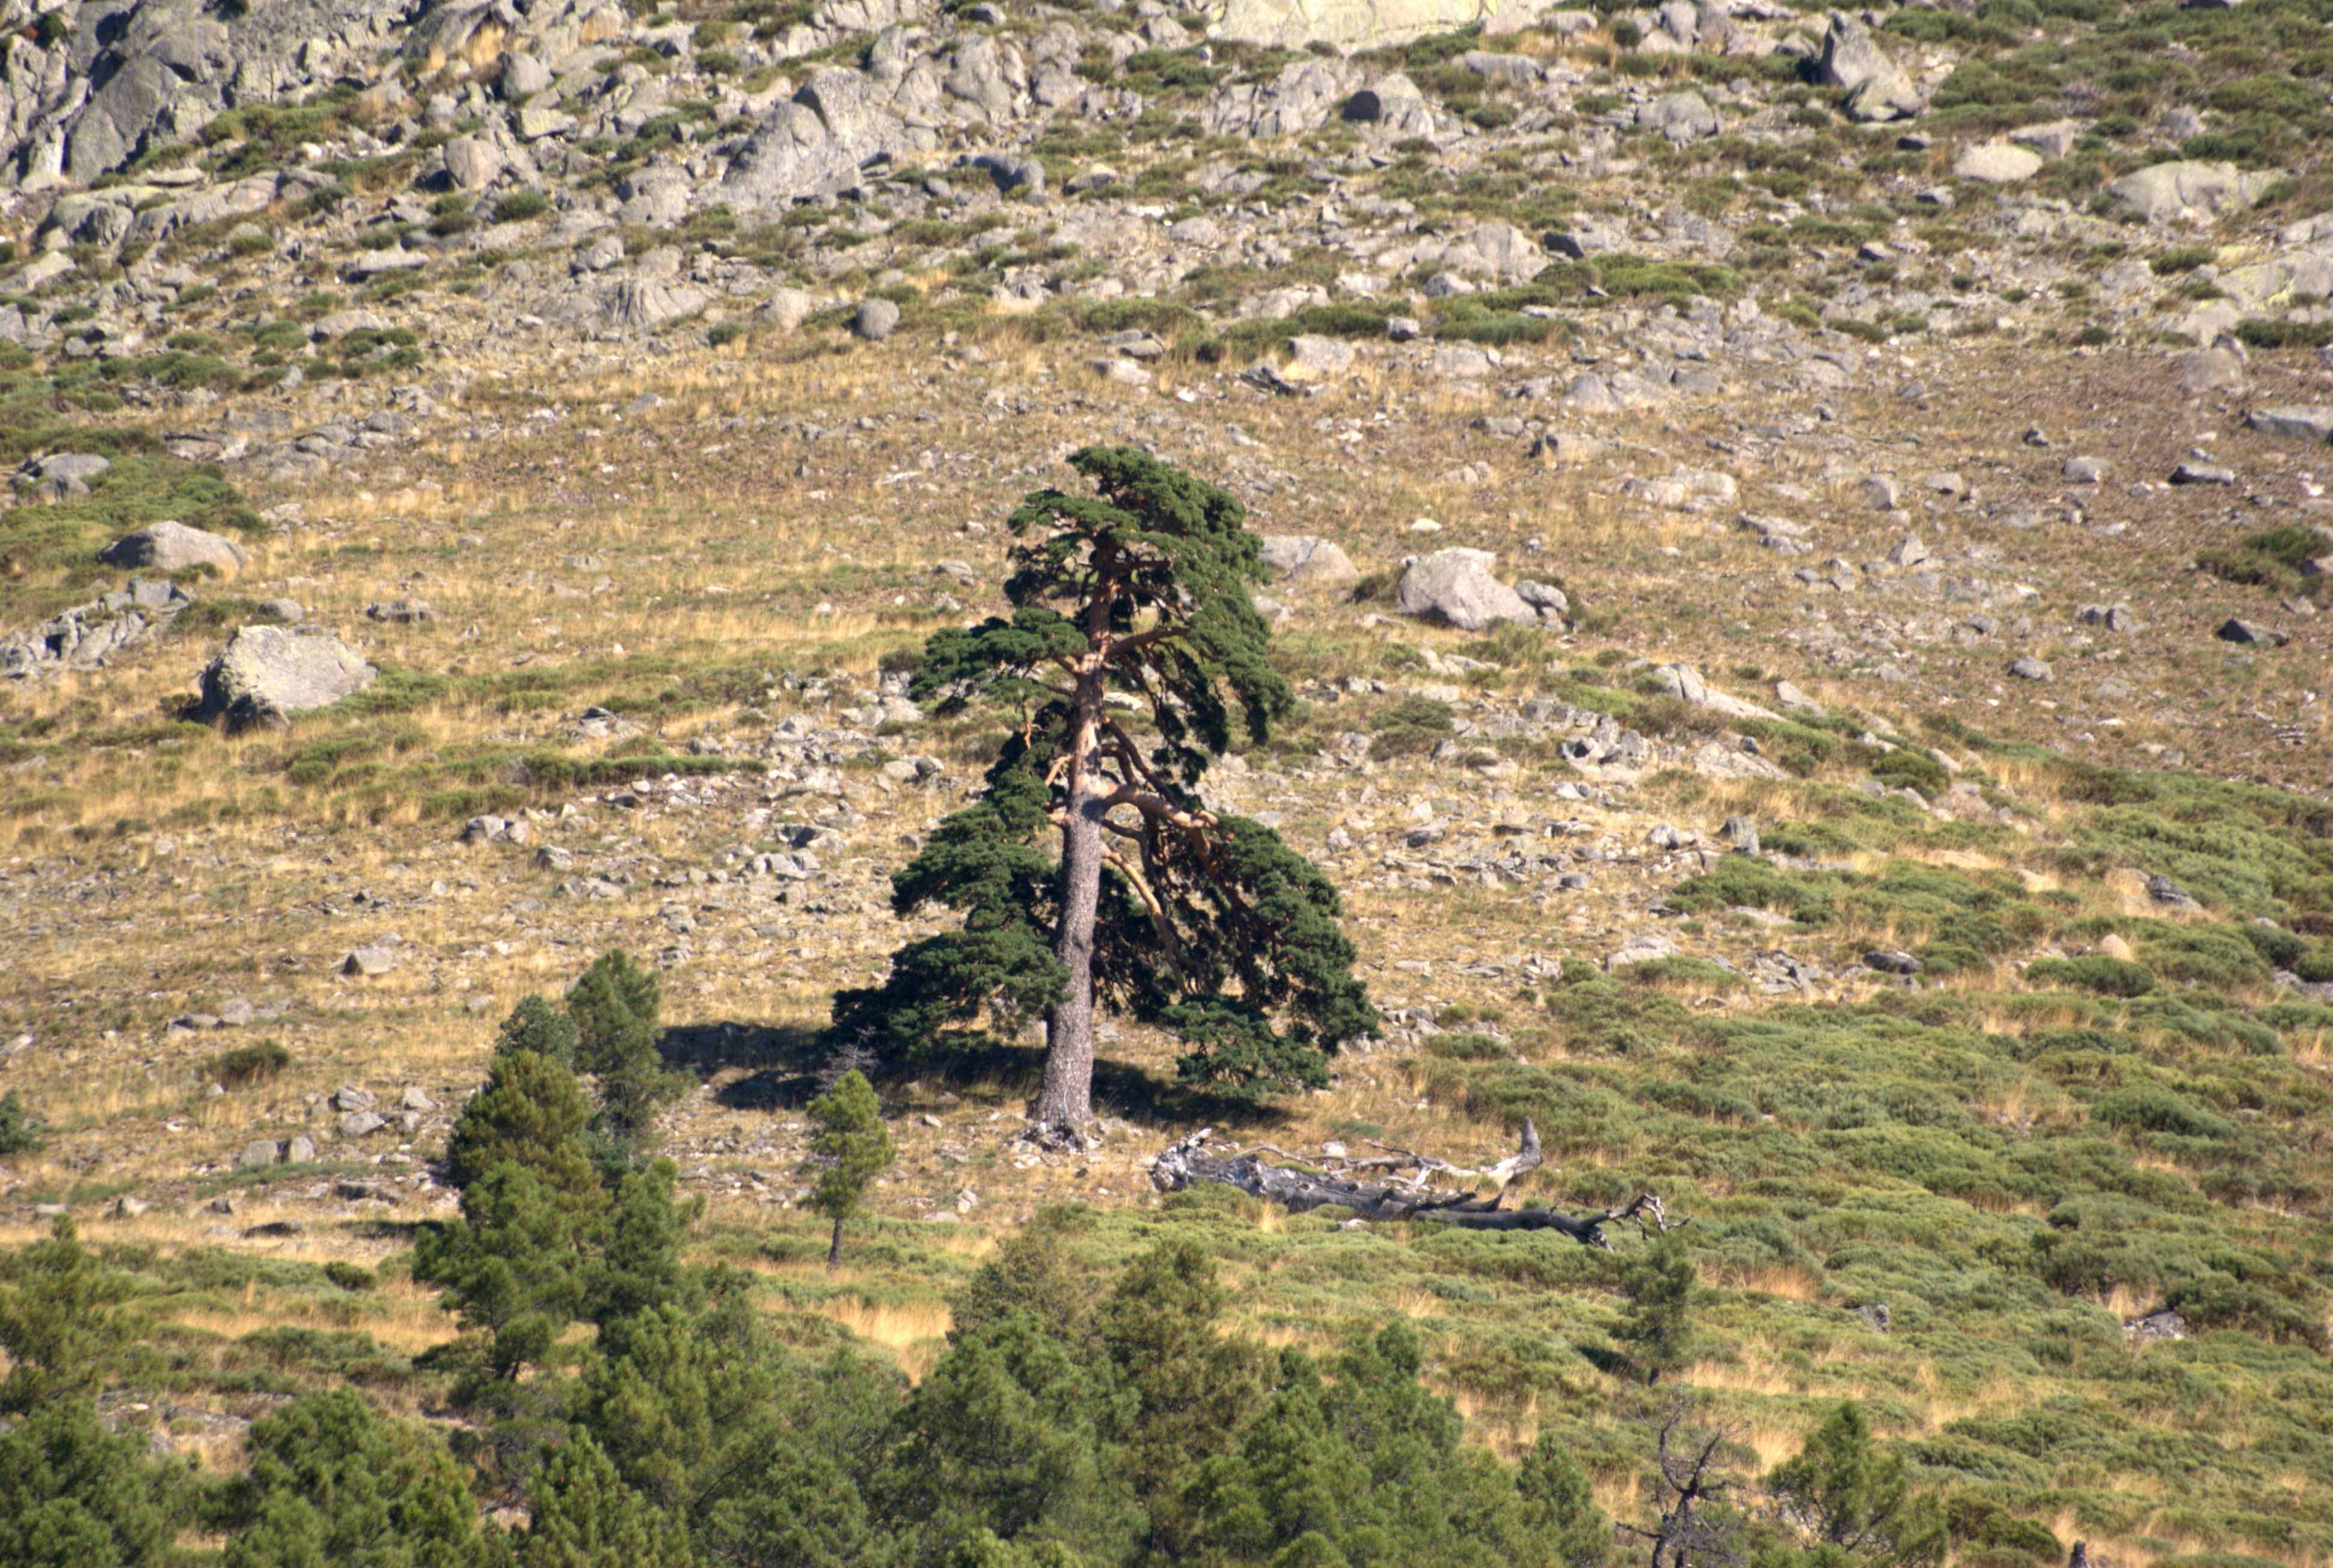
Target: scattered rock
<point x="89" y="636"/>
<point x="1643" y="948"/>
<point x="2294" y="422"/>
<point x="1908" y="552"/>
<point x="2251" y="633"/>
<point x="1299" y="560"/>
<point x="2201" y="474"/>
<point x="2029" y="669"/>
<point x="369" y="962"/>
<point x="877" y="319"/>
<point x="2212" y="369"/>
<point x="1878" y="89"/>
<point x="1314" y="358"/>
<point x="1997" y="163"/>
<point x="2170" y="894"/>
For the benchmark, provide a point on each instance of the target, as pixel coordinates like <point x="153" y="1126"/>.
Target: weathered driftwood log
<point x="1188" y="1163"/>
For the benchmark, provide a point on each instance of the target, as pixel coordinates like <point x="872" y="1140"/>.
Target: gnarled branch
<point x="1188" y="1164"/>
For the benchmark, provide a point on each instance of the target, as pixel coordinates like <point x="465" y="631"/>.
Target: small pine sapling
<point x="852" y="1149"/>
<point x="1657" y="1326"/>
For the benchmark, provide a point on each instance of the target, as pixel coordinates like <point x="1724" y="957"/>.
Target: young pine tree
<point x="512" y="1267"/>
<point x="534" y="1024"/>
<point x="1657" y="1327"/>
<point x="532" y="1113"/>
<point x="1031" y="1271"/>
<point x="1160" y="1327"/>
<point x="333" y="1481"/>
<point x="584" y="1516"/>
<point x="58" y="1328"/>
<point x="73" y="1494"/>
<point x="20" y="1129"/>
<point x="614" y="1007"/>
<point x="1849" y="1497"/>
<point x="1559" y="1507"/>
<point x="852" y="1149"/>
<point x="1152" y="905"/>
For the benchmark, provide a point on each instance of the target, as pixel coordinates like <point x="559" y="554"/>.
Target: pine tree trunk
<point x="1067" y="1097"/>
<point x="834" y="1249"/>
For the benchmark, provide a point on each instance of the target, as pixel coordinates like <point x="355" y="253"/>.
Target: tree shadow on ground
<point x="782" y="1063"/>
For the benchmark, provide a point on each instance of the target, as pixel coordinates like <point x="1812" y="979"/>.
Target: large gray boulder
<point x="1455" y="588"/>
<point x="175" y="547"/>
<point x="472" y="162"/>
<point x="2163" y="192"/>
<point x="522" y="77"/>
<point x="1394" y="106"/>
<point x="640" y="305"/>
<point x="1681" y="117"/>
<point x="1293" y="23"/>
<point x="1299" y="100"/>
<point x="267" y="673"/>
<point x="89" y="636"/>
<point x="819" y="139"/>
<point x="1299" y="560"/>
<point x="1997" y="163"/>
<point x="1877" y="87"/>
<point x="1500" y="250"/>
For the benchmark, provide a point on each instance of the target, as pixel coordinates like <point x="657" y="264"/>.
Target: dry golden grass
<point x="915" y="1334"/>
<point x="1789" y="1281"/>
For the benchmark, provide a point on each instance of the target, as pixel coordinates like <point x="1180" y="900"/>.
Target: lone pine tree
<point x="852" y="1149"/>
<point x="1133" y="651"/>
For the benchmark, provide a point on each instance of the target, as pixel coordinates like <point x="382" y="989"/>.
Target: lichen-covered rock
<point x="1301" y="99"/>
<point x="1456" y="587"/>
<point x="175" y="547"/>
<point x="1299" y="560"/>
<point x="2165" y="191"/>
<point x="268" y="673"/>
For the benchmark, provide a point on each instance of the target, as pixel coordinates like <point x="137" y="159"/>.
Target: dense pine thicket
<point x="1071" y="1420"/>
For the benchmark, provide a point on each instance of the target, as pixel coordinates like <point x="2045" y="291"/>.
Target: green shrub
<point x="20" y="1129"/>
<point x="1469" y="1048"/>
<point x="2151" y="1108"/>
<point x="245" y="1065"/>
<point x="2267" y="334"/>
<point x="1907" y="767"/>
<point x="2183" y="258"/>
<point x="2093" y="972"/>
<point x="1413" y="726"/>
<point x="2271" y="558"/>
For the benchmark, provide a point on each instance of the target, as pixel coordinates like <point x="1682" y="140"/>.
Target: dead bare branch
<point x="1301" y="1185"/>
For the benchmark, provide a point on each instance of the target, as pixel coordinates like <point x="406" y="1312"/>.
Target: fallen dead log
<point x="1188" y="1163"/>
